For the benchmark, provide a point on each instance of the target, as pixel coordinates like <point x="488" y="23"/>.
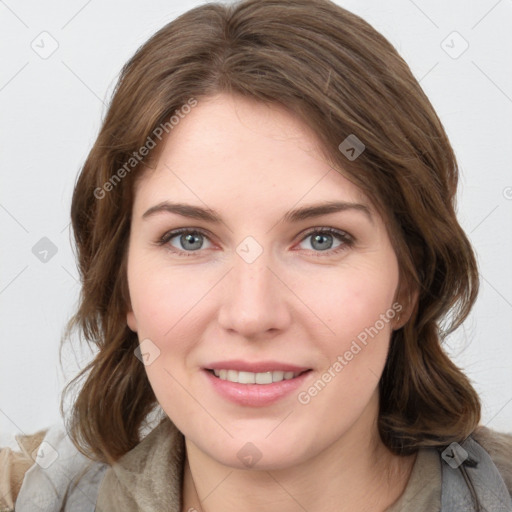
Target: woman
<point x="292" y="353"/>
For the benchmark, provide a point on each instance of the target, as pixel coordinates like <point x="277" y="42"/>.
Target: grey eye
<point x="188" y="241"/>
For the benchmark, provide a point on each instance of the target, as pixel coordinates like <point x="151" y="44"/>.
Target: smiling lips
<point x="255" y="378"/>
<point x="265" y="372"/>
<point x="253" y="384"/>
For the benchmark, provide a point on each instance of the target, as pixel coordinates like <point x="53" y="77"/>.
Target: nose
<point x="254" y="299"/>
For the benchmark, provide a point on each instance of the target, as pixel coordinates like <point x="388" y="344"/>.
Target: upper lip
<point x="255" y="367"/>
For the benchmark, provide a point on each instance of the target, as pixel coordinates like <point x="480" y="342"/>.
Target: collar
<point x="149" y="474"/>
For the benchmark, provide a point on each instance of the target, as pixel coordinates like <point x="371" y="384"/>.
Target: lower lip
<point x="256" y="395"/>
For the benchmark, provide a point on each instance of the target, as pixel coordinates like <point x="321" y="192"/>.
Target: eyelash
<point x="346" y="239"/>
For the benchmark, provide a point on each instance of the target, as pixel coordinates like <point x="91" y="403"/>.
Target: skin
<point x="295" y="303"/>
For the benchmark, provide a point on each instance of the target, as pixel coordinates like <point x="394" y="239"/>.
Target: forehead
<point x="234" y="152"/>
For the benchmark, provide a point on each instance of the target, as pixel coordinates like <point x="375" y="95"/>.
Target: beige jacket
<point x="13" y="465"/>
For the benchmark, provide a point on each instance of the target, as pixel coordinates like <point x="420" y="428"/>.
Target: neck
<point x="357" y="474"/>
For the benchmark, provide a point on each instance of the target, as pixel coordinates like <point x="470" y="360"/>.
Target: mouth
<point x="244" y="377"/>
<point x="267" y="383"/>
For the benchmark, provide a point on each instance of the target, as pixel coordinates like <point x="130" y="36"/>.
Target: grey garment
<point x="62" y="479"/>
<point x="460" y="478"/>
<point x="471" y="481"/>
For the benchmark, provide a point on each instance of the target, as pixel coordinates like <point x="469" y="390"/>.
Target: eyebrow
<point x="296" y="215"/>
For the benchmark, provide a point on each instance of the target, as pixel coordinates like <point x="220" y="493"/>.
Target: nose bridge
<point x="253" y="299"/>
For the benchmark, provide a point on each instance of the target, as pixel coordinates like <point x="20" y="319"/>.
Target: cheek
<point x="351" y="299"/>
<point x="163" y="303"/>
<point x="161" y="297"/>
<point x="169" y="308"/>
<point x="360" y="312"/>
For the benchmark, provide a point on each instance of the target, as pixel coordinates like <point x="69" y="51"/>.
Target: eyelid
<point x="346" y="238"/>
<point x="169" y="235"/>
<point x="327" y="229"/>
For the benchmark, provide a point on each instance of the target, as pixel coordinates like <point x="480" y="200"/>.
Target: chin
<point x="254" y="450"/>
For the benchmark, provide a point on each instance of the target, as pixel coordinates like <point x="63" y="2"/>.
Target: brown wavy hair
<point x="341" y="77"/>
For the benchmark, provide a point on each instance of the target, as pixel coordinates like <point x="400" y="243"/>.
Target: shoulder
<point x="48" y="473"/>
<point x="13" y="466"/>
<point x="62" y="478"/>
<point x="499" y="447"/>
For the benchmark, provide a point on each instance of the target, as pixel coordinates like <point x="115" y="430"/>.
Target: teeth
<point x="254" y="378"/>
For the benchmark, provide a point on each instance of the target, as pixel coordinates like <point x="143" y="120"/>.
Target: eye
<point x="187" y="242"/>
<point x="322" y="240"/>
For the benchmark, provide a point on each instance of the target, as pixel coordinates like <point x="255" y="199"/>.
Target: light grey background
<point x="51" y="110"/>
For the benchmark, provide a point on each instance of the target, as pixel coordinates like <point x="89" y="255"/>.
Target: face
<point x="256" y="290"/>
